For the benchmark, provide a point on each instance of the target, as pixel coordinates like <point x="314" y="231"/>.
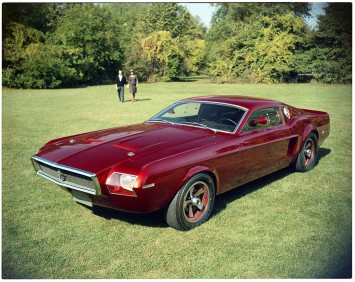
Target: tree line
<point x="53" y="45"/>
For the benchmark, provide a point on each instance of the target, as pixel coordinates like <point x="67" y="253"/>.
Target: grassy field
<point x="286" y="225"/>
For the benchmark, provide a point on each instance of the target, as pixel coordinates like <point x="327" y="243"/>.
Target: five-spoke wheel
<point x="309" y="151"/>
<point x="193" y="203"/>
<point x="196" y="201"/>
<point x="307" y="157"/>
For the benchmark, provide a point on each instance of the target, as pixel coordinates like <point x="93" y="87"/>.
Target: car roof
<point x="247" y="102"/>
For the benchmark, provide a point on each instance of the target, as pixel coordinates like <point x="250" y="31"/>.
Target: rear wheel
<point x="193" y="203"/>
<point x="307" y="157"/>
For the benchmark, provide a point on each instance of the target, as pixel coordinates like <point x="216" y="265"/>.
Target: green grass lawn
<point x="285" y="225"/>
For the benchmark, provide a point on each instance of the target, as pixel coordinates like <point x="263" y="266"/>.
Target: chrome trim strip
<point x="68" y="168"/>
<point x="91" y="175"/>
<point x="148" y="186"/>
<point x="66" y="185"/>
<point x="97" y="185"/>
<point x="218" y="103"/>
<point x="35" y="165"/>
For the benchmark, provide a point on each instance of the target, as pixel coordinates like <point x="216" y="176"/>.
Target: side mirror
<point x="262" y="120"/>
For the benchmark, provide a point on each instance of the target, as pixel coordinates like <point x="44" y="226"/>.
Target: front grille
<point x="67" y="176"/>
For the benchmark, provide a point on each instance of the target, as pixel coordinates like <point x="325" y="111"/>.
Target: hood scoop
<point x="126" y="147"/>
<point x="90" y="140"/>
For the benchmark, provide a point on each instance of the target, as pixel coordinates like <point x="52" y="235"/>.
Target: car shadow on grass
<point x="224" y="199"/>
<point x="237" y="193"/>
<point x="154" y="219"/>
<point x="323" y="152"/>
<point x="157" y="219"/>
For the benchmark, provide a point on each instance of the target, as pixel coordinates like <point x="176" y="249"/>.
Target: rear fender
<point x="307" y="131"/>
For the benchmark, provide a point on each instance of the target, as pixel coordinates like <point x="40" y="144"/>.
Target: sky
<point x="205" y="11"/>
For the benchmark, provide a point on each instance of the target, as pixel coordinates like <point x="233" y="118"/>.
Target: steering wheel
<point x="227" y="119"/>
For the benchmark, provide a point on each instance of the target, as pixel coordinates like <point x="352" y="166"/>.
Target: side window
<point x="263" y="118"/>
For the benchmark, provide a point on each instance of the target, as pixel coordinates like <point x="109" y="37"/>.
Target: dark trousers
<point x="120" y="92"/>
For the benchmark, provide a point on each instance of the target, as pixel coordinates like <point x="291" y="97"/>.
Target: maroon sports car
<point x="184" y="156"/>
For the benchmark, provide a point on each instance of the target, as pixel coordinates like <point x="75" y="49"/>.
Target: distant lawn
<point x="286" y="225"/>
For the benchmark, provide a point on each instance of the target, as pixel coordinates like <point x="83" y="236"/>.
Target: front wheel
<point x="193" y="203"/>
<point x="307" y="157"/>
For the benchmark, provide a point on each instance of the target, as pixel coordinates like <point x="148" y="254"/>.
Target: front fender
<point x="201" y="169"/>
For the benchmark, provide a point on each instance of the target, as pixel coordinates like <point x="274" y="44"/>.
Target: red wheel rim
<point x="309" y="151"/>
<point x="196" y="201"/>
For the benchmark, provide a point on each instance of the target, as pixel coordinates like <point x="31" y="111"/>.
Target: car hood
<point x="100" y="150"/>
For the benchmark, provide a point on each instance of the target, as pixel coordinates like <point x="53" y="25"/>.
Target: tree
<point x="256" y="42"/>
<point x="332" y="55"/>
<point x="84" y="27"/>
<point x="22" y="25"/>
<point x="193" y="52"/>
<point x="57" y="45"/>
<point x="76" y="46"/>
<point x="274" y="49"/>
<point x="30" y="63"/>
<point x="170" y="17"/>
<point x="172" y="41"/>
<point x="49" y="45"/>
<point x="34" y="15"/>
<point x="162" y="55"/>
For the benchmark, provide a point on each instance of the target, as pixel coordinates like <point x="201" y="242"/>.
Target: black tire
<point x="307" y="157"/>
<point x="192" y="204"/>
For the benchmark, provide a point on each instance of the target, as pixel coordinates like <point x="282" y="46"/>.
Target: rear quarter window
<point x="289" y="112"/>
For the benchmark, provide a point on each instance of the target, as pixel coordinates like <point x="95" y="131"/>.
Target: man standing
<point x="120" y="82"/>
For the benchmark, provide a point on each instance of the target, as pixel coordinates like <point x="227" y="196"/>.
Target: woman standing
<point x="132" y="84"/>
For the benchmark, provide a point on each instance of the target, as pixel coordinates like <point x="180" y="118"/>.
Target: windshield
<point x="215" y="116"/>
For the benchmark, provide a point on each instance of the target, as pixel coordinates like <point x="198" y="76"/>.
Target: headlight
<point x="121" y="184"/>
<point x="127" y="181"/>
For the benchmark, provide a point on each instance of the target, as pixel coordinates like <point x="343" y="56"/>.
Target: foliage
<point x="256" y="48"/>
<point x="174" y="46"/>
<point x="275" y="48"/>
<point x="128" y="16"/>
<point x="193" y="50"/>
<point x="74" y="53"/>
<point x="44" y="66"/>
<point x="38" y="65"/>
<point x="160" y="51"/>
<point x="19" y="38"/>
<point x="270" y="42"/>
<point x="53" y="45"/>
<point x="95" y="42"/>
<point x="34" y="15"/>
<point x="333" y="38"/>
<point x="242" y="11"/>
<point x="170" y="17"/>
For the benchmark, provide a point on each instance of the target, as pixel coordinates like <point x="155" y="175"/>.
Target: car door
<point x="264" y="141"/>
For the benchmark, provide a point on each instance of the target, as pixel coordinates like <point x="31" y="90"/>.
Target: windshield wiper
<point x="162" y="120"/>
<point x="194" y="123"/>
<point x="198" y="124"/>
